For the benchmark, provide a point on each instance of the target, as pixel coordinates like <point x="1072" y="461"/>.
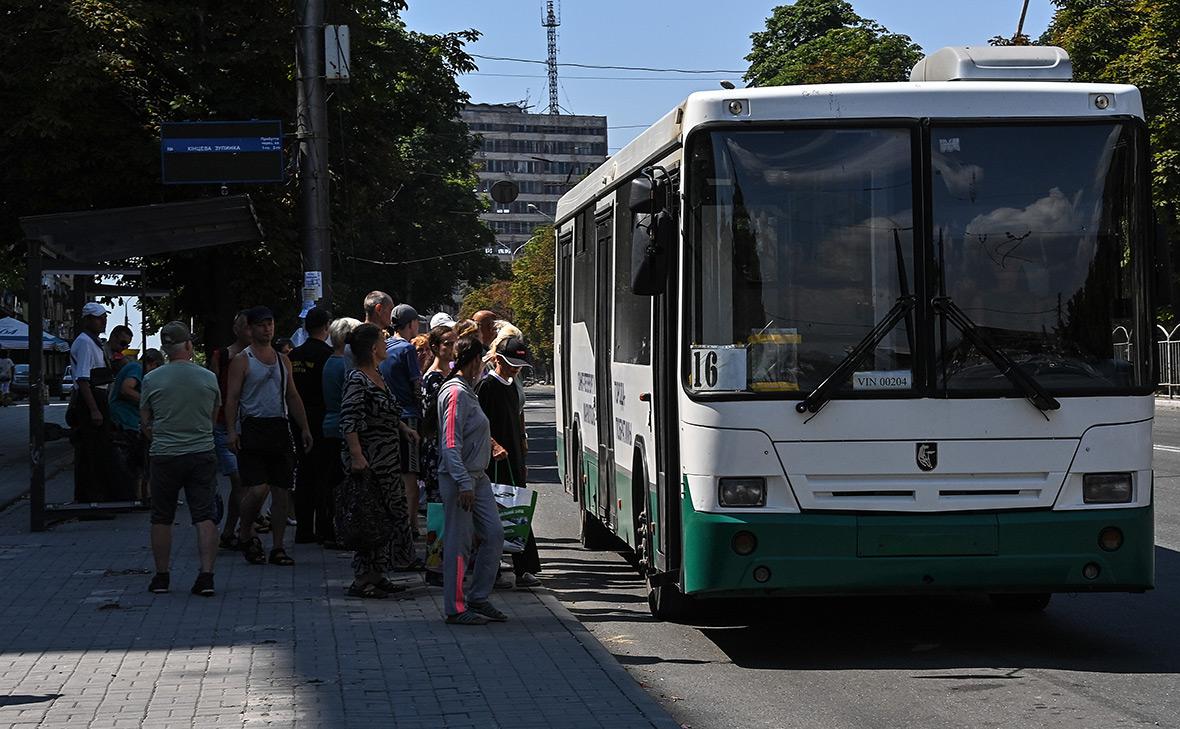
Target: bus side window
<point x="632" y="313"/>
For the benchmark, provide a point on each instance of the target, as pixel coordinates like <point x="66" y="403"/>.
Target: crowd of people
<point x="413" y="417"/>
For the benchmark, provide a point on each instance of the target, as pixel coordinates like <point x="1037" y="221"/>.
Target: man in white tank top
<point x="260" y="396"/>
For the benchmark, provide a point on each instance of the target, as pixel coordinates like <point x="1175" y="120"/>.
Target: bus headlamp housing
<point x="1107" y="488"/>
<point x="742" y="491"/>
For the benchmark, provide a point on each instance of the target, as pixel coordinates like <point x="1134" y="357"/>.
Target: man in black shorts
<point x="259" y="398"/>
<point x="177" y="405"/>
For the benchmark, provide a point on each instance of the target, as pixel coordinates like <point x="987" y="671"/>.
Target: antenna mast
<point x="550" y="22"/>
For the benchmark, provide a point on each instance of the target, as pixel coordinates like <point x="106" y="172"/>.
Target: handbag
<point x="362" y="520"/>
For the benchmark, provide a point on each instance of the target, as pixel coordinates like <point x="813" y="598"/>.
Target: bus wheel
<point x="1030" y="602"/>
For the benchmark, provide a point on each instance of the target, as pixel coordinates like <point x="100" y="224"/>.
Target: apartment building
<point x="543" y="154"/>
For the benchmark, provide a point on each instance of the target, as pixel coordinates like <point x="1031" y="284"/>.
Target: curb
<point x="625" y="682"/>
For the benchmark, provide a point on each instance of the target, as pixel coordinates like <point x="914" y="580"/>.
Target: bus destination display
<point x="221" y="152"/>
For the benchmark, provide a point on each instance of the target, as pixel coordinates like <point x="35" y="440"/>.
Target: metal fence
<point x="1169" y="356"/>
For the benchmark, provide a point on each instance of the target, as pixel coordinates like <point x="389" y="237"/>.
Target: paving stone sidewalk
<point x="83" y="644"/>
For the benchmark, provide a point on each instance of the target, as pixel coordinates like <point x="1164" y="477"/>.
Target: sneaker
<point x="159" y="583"/>
<point x="204" y="585"/>
<point x="504" y="581"/>
<point x="489" y="611"/>
<point x="527" y="580"/>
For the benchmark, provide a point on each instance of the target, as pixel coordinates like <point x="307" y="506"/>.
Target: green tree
<point x="495" y="296"/>
<point x="85" y="87"/>
<point x="1132" y="42"/>
<point x="532" y="293"/>
<point x="825" y="41"/>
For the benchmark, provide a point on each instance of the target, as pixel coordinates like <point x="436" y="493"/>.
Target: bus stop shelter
<point x="98" y="242"/>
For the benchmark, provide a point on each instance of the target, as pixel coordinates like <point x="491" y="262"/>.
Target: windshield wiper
<point x="818" y="397"/>
<point x="1031" y="389"/>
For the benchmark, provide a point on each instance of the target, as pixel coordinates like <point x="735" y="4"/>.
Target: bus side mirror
<point x="642" y="199"/>
<point x="651" y="238"/>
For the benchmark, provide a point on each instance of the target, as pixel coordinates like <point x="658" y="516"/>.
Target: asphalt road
<point x="14" y="446"/>
<point x="1087" y="661"/>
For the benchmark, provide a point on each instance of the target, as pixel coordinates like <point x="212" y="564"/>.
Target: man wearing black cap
<point x="259" y="399"/>
<point x="89" y="413"/>
<point x="500" y="401"/>
<point x="307" y="369"/>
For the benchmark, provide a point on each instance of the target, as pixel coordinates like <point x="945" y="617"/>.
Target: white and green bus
<point x="868" y="338"/>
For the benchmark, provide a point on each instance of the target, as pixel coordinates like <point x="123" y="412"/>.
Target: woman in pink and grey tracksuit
<point x="464" y="449"/>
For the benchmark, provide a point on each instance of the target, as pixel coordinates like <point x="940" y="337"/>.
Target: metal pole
<point x="36" y="389"/>
<point x="312" y="116"/>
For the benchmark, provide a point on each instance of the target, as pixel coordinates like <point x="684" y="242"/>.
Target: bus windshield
<point x="1032" y="234"/>
<point x="800" y="241"/>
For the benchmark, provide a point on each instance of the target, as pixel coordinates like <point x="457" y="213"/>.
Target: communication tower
<point x="550" y="22"/>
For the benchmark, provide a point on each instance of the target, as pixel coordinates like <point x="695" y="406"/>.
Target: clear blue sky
<point x="690" y="34"/>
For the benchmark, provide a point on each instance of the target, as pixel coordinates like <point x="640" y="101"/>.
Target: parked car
<point x="20" y="381"/>
<point x="67" y="383"/>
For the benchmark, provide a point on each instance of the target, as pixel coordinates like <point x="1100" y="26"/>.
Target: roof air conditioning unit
<point x="994" y="63"/>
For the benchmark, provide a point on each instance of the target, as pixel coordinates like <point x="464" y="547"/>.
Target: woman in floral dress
<point x="370" y="424"/>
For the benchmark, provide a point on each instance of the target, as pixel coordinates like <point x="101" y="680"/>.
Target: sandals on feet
<point x="280" y="557"/>
<point x="253" y="551"/>
<point x="367" y="591"/>
<point x="467" y="617"/>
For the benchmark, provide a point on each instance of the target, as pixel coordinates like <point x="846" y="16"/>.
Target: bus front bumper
<point x="816" y="554"/>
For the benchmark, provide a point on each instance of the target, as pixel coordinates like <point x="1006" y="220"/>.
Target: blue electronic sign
<point x="221" y="152"/>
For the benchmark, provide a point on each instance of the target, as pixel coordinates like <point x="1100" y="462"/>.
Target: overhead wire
<point x="614" y="68"/>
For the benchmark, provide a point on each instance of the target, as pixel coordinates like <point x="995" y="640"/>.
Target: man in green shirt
<point x="177" y="405"/>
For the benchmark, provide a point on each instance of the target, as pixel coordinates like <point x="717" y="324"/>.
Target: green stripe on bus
<point x="1038" y="551"/>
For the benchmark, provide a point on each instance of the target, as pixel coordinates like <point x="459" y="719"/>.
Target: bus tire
<point x="1021" y="602"/>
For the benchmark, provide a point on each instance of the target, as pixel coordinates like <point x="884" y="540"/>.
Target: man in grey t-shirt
<point x="178" y="405"/>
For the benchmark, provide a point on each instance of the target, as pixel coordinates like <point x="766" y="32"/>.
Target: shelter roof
<point x="116" y="234"/>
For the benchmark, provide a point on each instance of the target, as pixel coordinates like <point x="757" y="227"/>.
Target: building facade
<point x="543" y="154"/>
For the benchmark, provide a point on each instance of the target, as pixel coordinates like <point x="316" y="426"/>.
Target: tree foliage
<point x="86" y="85"/>
<point x="825" y="41"/>
<point x="526" y="298"/>
<point x="532" y="292"/>
<point x="1132" y="42"/>
<point x="495" y="296"/>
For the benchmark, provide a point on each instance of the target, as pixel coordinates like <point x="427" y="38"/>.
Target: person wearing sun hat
<point x="89" y="412"/>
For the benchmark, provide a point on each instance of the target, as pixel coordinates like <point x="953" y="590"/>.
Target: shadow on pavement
<point x="1119" y="633"/>
<point x="22" y="699"/>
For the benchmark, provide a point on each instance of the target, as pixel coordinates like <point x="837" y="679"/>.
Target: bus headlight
<point x="742" y="492"/>
<point x="1106" y="488"/>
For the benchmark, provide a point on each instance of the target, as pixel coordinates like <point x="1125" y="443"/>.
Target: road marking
<point x="1166" y="449"/>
